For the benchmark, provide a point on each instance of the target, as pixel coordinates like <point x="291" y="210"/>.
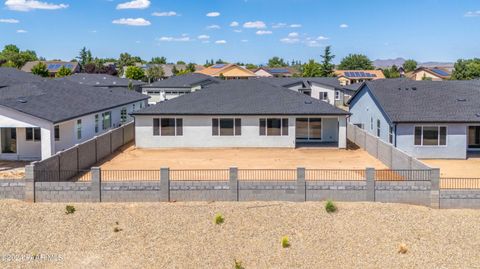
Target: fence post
<point x="96" y="184"/>
<point x="233" y="183"/>
<point x="30" y="183"/>
<point x="300" y="186"/>
<point x="435" y="188"/>
<point x="370" y="178"/>
<point x="164" y="184"/>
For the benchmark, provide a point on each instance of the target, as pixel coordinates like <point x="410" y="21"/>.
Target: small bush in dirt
<point x="330" y="207"/>
<point x="285" y="242"/>
<point x="238" y="264"/>
<point x="70" y="209"/>
<point x="219" y="219"/>
<point x="402" y="249"/>
<point x="116" y="230"/>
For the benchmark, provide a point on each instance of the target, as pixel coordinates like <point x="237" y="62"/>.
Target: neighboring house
<point x="227" y="71"/>
<point x="240" y="113"/>
<point x="426" y="119"/>
<point x="41" y="117"/>
<point x="168" y="68"/>
<point x="176" y="86"/>
<point x="105" y="81"/>
<point x="280" y="72"/>
<point x="52" y="66"/>
<point x="426" y="73"/>
<point x="347" y="77"/>
<point x="322" y="88"/>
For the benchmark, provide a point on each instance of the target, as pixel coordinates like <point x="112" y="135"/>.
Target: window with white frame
<point x="226" y="127"/>
<point x="430" y="136"/>
<point x="106" y="120"/>
<point x="378" y="128"/>
<point x="79" y="129"/>
<point x="390" y="134"/>
<point x="123" y="115"/>
<point x="323" y="96"/>
<point x="337" y="95"/>
<point x="33" y="134"/>
<point x="168" y="127"/>
<point x="371" y="123"/>
<point x="56" y="130"/>
<point x="96" y="123"/>
<point x="273" y="127"/>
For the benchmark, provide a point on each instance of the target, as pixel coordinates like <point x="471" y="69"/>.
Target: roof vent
<point x="414" y="88"/>
<point x="399" y="89"/>
<point x="461" y="100"/>
<point x="22" y="100"/>
<point x="308" y="102"/>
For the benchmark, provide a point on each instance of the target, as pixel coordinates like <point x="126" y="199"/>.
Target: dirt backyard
<point x="246" y="158"/>
<point x="12" y="169"/>
<point x="469" y="168"/>
<point x="184" y="235"/>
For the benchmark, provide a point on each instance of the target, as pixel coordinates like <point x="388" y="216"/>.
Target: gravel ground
<point x="183" y="235"/>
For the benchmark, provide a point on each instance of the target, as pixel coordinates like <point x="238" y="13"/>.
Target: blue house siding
<point x="364" y="108"/>
<point x="456" y="147"/>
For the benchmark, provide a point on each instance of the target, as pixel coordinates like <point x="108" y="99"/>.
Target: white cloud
<point x="322" y="38"/>
<point x="343" y="25"/>
<point x="234" y="24"/>
<point x="203" y="37"/>
<point x="21" y="31"/>
<point x="165" y="14"/>
<point x="263" y="32"/>
<point x="213" y="26"/>
<point x="312" y="43"/>
<point x="183" y="38"/>
<point x="473" y="13"/>
<point x="221" y="42"/>
<point x="255" y="24"/>
<point x="135" y="4"/>
<point x="9" y="21"/>
<point x="27" y="5"/>
<point x="132" y="22"/>
<point x="295" y="25"/>
<point x="237" y="31"/>
<point x="293" y="34"/>
<point x="279" y="25"/>
<point x="289" y="40"/>
<point x="213" y="14"/>
<point x="244" y="40"/>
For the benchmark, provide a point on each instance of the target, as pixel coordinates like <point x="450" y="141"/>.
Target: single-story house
<point x="52" y="66"/>
<point x="427" y="73"/>
<point x="347" y="77"/>
<point x="176" y="86"/>
<point x="278" y="72"/>
<point x="241" y="113"/>
<point x="105" y="81"/>
<point x="426" y="119"/>
<point x="227" y="71"/>
<point x="168" y="69"/>
<point x="39" y="117"/>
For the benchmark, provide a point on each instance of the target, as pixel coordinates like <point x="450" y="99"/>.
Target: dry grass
<point x="182" y="235"/>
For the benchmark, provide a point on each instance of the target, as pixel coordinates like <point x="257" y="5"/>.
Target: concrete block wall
<point x="104" y="146"/>
<point x="460" y="198"/>
<point x="199" y="191"/>
<point x="407" y="192"/>
<point x="63" y="192"/>
<point x="87" y="154"/>
<point x="131" y="191"/>
<point x="12" y="189"/>
<point x="267" y="191"/>
<point x="336" y="190"/>
<point x="116" y="139"/>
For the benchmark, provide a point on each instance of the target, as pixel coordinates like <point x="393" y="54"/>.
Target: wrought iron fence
<point x="460" y="183"/>
<point x="200" y="175"/>
<point x="267" y="174"/>
<point x="334" y="174"/>
<point x="130" y="175"/>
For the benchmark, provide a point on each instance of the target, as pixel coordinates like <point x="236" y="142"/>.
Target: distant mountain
<point x="382" y="63"/>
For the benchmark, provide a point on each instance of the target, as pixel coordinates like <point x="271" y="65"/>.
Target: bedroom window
<point x="337" y="95"/>
<point x="79" y="129"/>
<point x="33" y="134"/>
<point x="57" y="132"/>
<point x="226" y="127"/>
<point x="390" y="134"/>
<point x="168" y="127"/>
<point x="273" y="127"/>
<point x="106" y="120"/>
<point x="430" y="136"/>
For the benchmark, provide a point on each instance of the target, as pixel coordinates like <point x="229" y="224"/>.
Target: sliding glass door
<point x="9" y="140"/>
<point x="308" y="129"/>
<point x="474" y="137"/>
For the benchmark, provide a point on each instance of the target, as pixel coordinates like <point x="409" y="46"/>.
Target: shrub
<point x="116" y="230"/>
<point x="70" y="209"/>
<point x="330" y="207"/>
<point x="402" y="249"/>
<point x="238" y="265"/>
<point x="285" y="242"/>
<point x="219" y="219"/>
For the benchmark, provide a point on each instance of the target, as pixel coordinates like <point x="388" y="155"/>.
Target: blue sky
<point x="244" y="30"/>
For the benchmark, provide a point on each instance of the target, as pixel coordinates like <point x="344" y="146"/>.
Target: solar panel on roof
<point x="357" y="74"/>
<point x="440" y="72"/>
<point x="348" y="74"/>
<point x="278" y="70"/>
<point x="219" y="66"/>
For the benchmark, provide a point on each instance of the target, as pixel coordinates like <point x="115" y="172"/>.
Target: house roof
<point x="227" y="70"/>
<point x="52" y="66"/>
<point x="277" y="70"/>
<point x="11" y="76"/>
<point x="101" y="80"/>
<point x="58" y="101"/>
<point x="243" y="97"/>
<point x="167" y="68"/>
<point x="360" y="74"/>
<point x="440" y="72"/>
<point x="305" y="81"/>
<point x="405" y="100"/>
<point x="183" y="81"/>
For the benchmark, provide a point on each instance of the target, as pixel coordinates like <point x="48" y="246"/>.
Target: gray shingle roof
<point x="58" y="101"/>
<point x="243" y="97"/>
<point x="306" y="81"/>
<point x="11" y="76"/>
<point x="183" y="81"/>
<point x="101" y="80"/>
<point x="405" y="100"/>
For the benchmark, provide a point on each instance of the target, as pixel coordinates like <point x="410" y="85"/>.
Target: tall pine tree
<point x="326" y="66"/>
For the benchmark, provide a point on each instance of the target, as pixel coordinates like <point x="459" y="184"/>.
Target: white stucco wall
<point x="197" y="133"/>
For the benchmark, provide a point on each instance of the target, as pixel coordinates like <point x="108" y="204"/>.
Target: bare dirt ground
<point x="246" y="158"/>
<point x="183" y="235"/>
<point x="469" y="168"/>
<point x="12" y="169"/>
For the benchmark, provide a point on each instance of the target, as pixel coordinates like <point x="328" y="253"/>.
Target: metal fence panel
<point x="334" y="174"/>
<point x="200" y="175"/>
<point x="130" y="175"/>
<point x="402" y="175"/>
<point x="459" y="183"/>
<point x="267" y="174"/>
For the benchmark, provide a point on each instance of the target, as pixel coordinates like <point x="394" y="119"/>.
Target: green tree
<point x="8" y="64"/>
<point x="84" y="57"/>
<point x="466" y="69"/>
<point x="327" y="67"/>
<point x="63" y="72"/>
<point x="40" y="69"/>
<point x="311" y="69"/>
<point x="391" y="72"/>
<point x="356" y="62"/>
<point x="182" y="72"/>
<point x="174" y="70"/>
<point x="409" y="65"/>
<point x="154" y="73"/>
<point x="276" y="62"/>
<point x="251" y="66"/>
<point x="134" y="72"/>
<point x="158" y="60"/>
<point x="12" y="55"/>
<point x="181" y="62"/>
<point x="191" y="68"/>
<point x="125" y="59"/>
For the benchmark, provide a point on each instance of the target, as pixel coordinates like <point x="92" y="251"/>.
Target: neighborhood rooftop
<point x="405" y="100"/>
<point x="11" y="76"/>
<point x="102" y="80"/>
<point x="305" y="81"/>
<point x="58" y="101"/>
<point x="243" y="97"/>
<point x="182" y="81"/>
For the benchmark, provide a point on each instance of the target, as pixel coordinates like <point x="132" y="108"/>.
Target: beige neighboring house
<point x="278" y="72"/>
<point x="228" y="71"/>
<point x="53" y="66"/>
<point x="347" y="77"/>
<point x="426" y="73"/>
